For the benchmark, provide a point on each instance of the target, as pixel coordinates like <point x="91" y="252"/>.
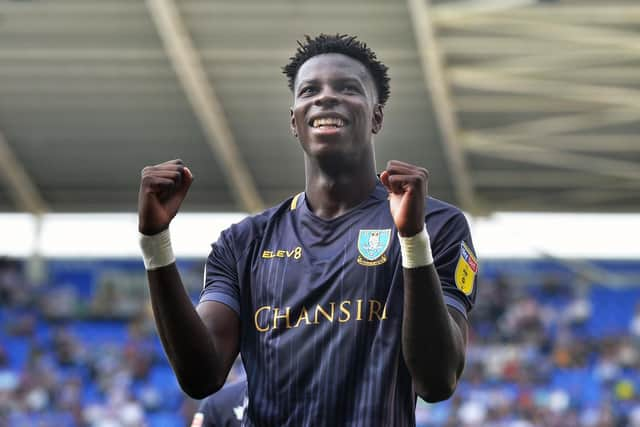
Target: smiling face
<point x="335" y="110"/>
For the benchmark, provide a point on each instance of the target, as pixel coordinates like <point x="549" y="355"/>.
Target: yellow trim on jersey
<point x="294" y="202"/>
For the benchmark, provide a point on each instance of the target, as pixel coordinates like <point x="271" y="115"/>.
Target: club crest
<point x="372" y="245"/>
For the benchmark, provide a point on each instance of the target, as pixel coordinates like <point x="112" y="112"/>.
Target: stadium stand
<point x="549" y="347"/>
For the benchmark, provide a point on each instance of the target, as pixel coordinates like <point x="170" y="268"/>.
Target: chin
<point x="326" y="151"/>
<point x="333" y="156"/>
<point x="314" y="145"/>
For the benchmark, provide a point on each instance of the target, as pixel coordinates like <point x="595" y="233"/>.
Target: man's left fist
<point x="407" y="186"/>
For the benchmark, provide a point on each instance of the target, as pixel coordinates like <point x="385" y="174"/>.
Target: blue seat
<point x="100" y="332"/>
<point x="91" y="394"/>
<point x="165" y="419"/>
<point x="58" y="419"/>
<point x="18" y="351"/>
<point x="612" y="310"/>
<point x="43" y="331"/>
<point x="164" y="380"/>
<point x="580" y="384"/>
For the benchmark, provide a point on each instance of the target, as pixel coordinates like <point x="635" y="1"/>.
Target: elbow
<point x="434" y="395"/>
<point x="436" y="389"/>
<point x="199" y="393"/>
<point x="436" y="392"/>
<point x="436" y="384"/>
<point x="199" y="388"/>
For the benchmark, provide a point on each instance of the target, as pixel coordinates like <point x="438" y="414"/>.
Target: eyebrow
<point x="352" y="80"/>
<point x="339" y="79"/>
<point x="305" y="82"/>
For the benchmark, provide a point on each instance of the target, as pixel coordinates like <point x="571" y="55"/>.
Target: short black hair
<point x="346" y="45"/>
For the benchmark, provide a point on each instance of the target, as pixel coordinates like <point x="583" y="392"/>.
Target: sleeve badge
<point x="466" y="270"/>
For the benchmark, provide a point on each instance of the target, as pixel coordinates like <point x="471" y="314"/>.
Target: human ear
<point x="292" y="123"/>
<point x="376" y="119"/>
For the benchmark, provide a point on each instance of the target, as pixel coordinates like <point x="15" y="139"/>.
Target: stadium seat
<point x="165" y="419"/>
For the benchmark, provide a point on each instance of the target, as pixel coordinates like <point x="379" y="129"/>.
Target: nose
<point x="326" y="97"/>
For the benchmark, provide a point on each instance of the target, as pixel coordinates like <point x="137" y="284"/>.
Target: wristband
<point x="416" y="250"/>
<point x="156" y="250"/>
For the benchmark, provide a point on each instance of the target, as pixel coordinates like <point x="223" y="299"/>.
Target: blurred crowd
<point x="533" y="360"/>
<point x="58" y="370"/>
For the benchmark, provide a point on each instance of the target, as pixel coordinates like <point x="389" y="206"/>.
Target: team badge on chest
<point x="372" y="245"/>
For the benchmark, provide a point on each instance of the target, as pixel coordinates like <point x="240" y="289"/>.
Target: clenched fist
<point x="407" y="186"/>
<point x="163" y="187"/>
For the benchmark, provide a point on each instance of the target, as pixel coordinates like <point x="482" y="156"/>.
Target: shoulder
<point x="440" y="212"/>
<point x="445" y="221"/>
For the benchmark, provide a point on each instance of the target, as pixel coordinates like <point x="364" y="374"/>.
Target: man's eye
<point x="307" y="90"/>
<point x="351" y="88"/>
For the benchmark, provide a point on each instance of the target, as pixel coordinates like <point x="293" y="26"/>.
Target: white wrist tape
<point x="156" y="250"/>
<point x="416" y="250"/>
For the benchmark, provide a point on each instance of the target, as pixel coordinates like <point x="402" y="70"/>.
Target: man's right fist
<point x="163" y="187"/>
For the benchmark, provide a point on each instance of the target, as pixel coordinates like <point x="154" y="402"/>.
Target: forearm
<point x="200" y="345"/>
<point x="433" y="344"/>
<point x="188" y="344"/>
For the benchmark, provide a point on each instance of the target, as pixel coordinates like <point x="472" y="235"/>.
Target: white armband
<point x="156" y="250"/>
<point x="416" y="250"/>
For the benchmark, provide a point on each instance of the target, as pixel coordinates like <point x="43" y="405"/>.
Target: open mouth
<point x="328" y="123"/>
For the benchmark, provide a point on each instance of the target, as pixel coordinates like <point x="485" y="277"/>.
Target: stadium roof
<point x="511" y="104"/>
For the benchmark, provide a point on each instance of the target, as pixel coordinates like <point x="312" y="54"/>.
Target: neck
<point x="333" y="189"/>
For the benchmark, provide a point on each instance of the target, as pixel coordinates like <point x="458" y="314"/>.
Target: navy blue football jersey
<point x="320" y="305"/>
<point x="224" y="408"/>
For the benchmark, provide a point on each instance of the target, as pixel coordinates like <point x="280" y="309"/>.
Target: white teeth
<point x="328" y="121"/>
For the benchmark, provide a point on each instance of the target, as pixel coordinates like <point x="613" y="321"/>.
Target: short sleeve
<point x="456" y="263"/>
<point x="221" y="274"/>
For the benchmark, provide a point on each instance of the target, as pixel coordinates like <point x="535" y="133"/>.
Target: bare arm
<point x="433" y="337"/>
<point x="201" y="344"/>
